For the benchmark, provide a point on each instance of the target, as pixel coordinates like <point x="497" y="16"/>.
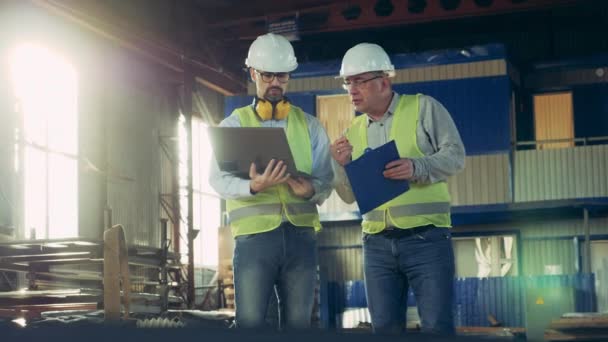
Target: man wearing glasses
<point x="406" y="241"/>
<point x="273" y="215"/>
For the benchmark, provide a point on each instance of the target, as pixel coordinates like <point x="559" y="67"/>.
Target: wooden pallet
<point x="583" y="327"/>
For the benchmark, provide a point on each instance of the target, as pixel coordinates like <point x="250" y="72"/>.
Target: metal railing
<point x="577" y="141"/>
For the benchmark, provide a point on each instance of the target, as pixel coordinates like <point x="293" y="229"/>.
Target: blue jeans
<point x="286" y="258"/>
<point x="424" y="261"/>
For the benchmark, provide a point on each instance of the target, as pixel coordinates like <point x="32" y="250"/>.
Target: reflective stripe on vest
<point x="409" y="210"/>
<point x="272" y="209"/>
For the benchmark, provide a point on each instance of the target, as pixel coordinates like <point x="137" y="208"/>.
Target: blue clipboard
<point x="369" y="186"/>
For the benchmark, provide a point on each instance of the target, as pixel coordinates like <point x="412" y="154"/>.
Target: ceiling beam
<point x="363" y="14"/>
<point x="159" y="52"/>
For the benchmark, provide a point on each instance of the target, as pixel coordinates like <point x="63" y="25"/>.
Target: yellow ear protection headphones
<point x="276" y="110"/>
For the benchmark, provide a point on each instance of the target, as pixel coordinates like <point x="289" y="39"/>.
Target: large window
<point x="207" y="212"/>
<point x="45" y="87"/>
<point x="206" y="206"/>
<point x="486" y="256"/>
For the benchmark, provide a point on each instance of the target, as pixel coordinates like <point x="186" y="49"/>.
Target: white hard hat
<point x="365" y="57"/>
<point x="272" y="53"/>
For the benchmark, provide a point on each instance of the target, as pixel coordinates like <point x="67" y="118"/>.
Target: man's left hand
<point x="301" y="187"/>
<point x="399" y="169"/>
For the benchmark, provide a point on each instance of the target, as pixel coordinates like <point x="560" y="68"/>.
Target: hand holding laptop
<point x="301" y="187"/>
<point x="275" y="173"/>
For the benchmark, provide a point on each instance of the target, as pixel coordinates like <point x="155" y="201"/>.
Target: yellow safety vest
<point x="264" y="211"/>
<point x="422" y="204"/>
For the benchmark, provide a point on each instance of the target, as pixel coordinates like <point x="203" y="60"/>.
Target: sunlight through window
<point x="206" y="201"/>
<point x="45" y="86"/>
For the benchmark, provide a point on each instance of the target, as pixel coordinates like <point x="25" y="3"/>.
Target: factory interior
<point x="108" y="218"/>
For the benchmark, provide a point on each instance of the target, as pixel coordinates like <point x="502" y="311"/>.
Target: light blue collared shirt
<point x="232" y="187"/>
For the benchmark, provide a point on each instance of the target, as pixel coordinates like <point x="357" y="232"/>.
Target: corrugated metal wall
<point x="340" y="255"/>
<point x="543" y="228"/>
<point x="508" y="299"/>
<point x="485" y="180"/>
<point x="548" y="242"/>
<point x="537" y="254"/>
<point x="552" y="243"/>
<point x="545" y="242"/>
<point x="561" y="228"/>
<point x="578" y="172"/>
<point x="127" y="111"/>
<point x="93" y="88"/>
<point x="136" y="106"/>
<point x="477" y="298"/>
<point x="124" y="110"/>
<point x="477" y="94"/>
<point x="168" y="159"/>
<point x="489" y="68"/>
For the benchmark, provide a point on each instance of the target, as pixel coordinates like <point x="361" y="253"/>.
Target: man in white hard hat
<point x="406" y="241"/>
<point x="273" y="215"/>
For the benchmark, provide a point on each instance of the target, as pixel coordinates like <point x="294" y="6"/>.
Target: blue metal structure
<point x="513" y="212"/>
<point x="413" y="60"/>
<point x="480" y="106"/>
<point x="476" y="298"/>
<point x="590" y="103"/>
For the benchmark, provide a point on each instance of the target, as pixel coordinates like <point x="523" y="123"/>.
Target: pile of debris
<point x="579" y="327"/>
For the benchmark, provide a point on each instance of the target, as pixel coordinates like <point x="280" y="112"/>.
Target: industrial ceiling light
<point x="384" y="8"/>
<point x="352" y="12"/>
<point x="450" y="5"/>
<point x="416" y="6"/>
<point x="484" y="3"/>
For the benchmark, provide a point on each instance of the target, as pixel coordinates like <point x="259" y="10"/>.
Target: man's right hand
<point x="273" y="174"/>
<point x="341" y="151"/>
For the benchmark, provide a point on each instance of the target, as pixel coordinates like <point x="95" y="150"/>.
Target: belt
<point x="394" y="232"/>
<point x="287" y="225"/>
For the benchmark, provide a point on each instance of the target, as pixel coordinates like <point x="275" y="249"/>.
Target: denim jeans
<point x="286" y="258"/>
<point x="424" y="261"/>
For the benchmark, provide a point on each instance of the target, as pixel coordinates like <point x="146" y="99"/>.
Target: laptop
<point x="235" y="148"/>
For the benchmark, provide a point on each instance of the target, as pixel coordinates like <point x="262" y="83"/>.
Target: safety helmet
<point x="273" y="53"/>
<point x="365" y="57"/>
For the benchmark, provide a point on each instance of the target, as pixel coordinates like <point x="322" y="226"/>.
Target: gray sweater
<point x="436" y="135"/>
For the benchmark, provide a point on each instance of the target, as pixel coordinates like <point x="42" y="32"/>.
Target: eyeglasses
<point x="267" y="77"/>
<point x="358" y="82"/>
